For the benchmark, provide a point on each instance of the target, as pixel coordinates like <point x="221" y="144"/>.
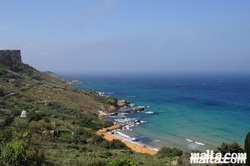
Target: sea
<point x="189" y="111"/>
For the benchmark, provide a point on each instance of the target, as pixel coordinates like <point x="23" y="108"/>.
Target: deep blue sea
<point x="188" y="108"/>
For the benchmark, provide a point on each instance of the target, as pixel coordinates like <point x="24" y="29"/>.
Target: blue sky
<point x="129" y="35"/>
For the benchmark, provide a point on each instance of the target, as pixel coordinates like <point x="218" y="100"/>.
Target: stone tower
<point x="10" y="57"/>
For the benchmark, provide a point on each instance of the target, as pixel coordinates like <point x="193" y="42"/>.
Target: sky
<point x="84" y="36"/>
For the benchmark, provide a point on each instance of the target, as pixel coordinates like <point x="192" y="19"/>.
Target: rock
<point x="111" y="108"/>
<point x="128" y="111"/>
<point x="113" y="114"/>
<point x="139" y="109"/>
<point x="123" y="103"/>
<point x="137" y="121"/>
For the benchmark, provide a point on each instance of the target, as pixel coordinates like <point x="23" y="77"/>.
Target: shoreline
<point x="135" y="146"/>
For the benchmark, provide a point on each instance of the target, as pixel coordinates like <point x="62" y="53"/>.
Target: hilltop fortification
<point x="10" y="57"/>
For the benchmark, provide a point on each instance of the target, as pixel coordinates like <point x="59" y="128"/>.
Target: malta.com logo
<point x="209" y="157"/>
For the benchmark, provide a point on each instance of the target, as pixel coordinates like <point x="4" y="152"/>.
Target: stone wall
<point x="10" y="57"/>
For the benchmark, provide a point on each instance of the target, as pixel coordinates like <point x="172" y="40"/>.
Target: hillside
<point x="60" y="122"/>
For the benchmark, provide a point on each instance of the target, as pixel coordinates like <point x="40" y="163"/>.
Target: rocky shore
<point x="121" y="122"/>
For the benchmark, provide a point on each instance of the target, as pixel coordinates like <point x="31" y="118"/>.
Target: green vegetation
<point x="19" y="151"/>
<point x="247" y="148"/>
<point x="230" y="148"/>
<point x="60" y="125"/>
<point x="169" y="152"/>
<point x="3" y="69"/>
<point x="122" y="162"/>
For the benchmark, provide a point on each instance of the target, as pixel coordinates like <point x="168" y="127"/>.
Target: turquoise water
<point x="209" y="109"/>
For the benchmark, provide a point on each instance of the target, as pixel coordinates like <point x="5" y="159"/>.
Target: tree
<point x="230" y="148"/>
<point x="19" y="151"/>
<point x="247" y="148"/>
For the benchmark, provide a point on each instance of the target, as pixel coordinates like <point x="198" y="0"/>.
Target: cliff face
<point x="10" y="57"/>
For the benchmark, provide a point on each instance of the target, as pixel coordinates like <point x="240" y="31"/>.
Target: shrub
<point x="33" y="116"/>
<point x="107" y="123"/>
<point x="19" y="151"/>
<point x="78" y="140"/>
<point x="117" y="144"/>
<point x="85" y="134"/>
<point x="16" y="153"/>
<point x="2" y="70"/>
<point x="73" y="147"/>
<point x="46" y="119"/>
<point x="230" y="148"/>
<point x="83" y="149"/>
<point x="106" y="154"/>
<point x="169" y="152"/>
<point x="2" y="92"/>
<point x="96" y="139"/>
<point x="122" y="162"/>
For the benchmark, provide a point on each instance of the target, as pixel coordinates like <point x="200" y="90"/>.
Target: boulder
<point x="111" y="108"/>
<point x="123" y="103"/>
<point x="138" y="109"/>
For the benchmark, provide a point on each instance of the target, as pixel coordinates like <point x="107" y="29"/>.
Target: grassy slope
<point x="71" y="114"/>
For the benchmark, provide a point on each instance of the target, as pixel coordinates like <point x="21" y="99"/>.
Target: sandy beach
<point x="137" y="147"/>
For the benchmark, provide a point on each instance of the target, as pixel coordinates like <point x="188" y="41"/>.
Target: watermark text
<point x="209" y="157"/>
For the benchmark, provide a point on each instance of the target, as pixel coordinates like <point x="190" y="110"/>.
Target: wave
<point x="189" y="140"/>
<point x="199" y="143"/>
<point x="149" y="112"/>
<point x="125" y="120"/>
<point x="101" y="93"/>
<point x="156" y="140"/>
<point x="132" y="105"/>
<point x="134" y="139"/>
<point x="123" y="135"/>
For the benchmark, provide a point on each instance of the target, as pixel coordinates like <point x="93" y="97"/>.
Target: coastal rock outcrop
<point x="138" y="109"/>
<point x="123" y="103"/>
<point x="112" y="108"/>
